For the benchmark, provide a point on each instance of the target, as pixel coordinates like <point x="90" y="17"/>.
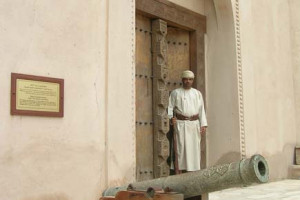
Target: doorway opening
<point x="166" y="44"/>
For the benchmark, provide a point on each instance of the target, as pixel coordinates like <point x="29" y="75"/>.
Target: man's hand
<point x="203" y="130"/>
<point x="173" y="120"/>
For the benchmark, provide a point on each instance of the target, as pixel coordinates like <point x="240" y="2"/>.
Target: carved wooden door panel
<point x="144" y="94"/>
<point x="178" y="61"/>
<point x="178" y="56"/>
<point x="162" y="53"/>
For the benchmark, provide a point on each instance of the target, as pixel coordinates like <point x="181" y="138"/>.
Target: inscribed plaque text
<point x="37" y="95"/>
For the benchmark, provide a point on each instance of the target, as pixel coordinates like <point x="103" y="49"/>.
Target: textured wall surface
<point x="194" y="5"/>
<point x="268" y="82"/>
<point x="90" y="45"/>
<point x="265" y="48"/>
<point x="222" y="91"/>
<point x="295" y="44"/>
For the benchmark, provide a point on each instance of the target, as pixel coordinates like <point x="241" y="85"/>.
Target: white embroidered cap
<point x="187" y="74"/>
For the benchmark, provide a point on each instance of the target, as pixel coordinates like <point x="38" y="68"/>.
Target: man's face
<point x="187" y="82"/>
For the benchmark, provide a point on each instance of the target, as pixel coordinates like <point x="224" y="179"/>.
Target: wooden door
<point x="162" y="53"/>
<point x="144" y="94"/>
<point x="178" y="56"/>
<point x="178" y="61"/>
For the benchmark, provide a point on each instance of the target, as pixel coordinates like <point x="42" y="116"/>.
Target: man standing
<point x="187" y="114"/>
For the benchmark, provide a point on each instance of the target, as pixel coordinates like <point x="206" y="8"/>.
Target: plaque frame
<point x="13" y="103"/>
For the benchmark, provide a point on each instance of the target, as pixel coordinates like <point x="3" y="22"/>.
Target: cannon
<point x="242" y="173"/>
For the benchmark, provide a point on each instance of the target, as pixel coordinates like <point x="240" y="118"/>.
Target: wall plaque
<point x="36" y="95"/>
<point x="297" y="152"/>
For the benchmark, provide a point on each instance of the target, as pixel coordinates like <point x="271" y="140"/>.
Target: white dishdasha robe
<point x="188" y="102"/>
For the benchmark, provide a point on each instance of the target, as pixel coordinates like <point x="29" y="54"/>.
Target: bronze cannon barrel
<point x="244" y="172"/>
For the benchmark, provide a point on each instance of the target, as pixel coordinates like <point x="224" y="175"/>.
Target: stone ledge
<point x="294" y="171"/>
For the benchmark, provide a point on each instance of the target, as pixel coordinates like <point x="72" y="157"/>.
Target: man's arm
<point x="203" y="121"/>
<point x="202" y="116"/>
<point x="171" y="106"/>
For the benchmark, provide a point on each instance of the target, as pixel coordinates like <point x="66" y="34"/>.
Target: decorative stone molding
<point x="240" y="79"/>
<point x="160" y="98"/>
<point x="133" y="84"/>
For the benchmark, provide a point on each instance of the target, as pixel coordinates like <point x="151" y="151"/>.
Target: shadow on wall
<point x="229" y="158"/>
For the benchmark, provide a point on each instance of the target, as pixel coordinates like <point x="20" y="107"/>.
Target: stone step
<point x="294" y="171"/>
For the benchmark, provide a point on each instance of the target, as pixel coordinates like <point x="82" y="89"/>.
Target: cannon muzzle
<point x="242" y="173"/>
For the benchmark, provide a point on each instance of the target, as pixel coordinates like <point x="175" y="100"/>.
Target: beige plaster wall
<point x="194" y="5"/>
<point x="90" y="45"/>
<point x="295" y="44"/>
<point x="223" y="144"/>
<point x="120" y="93"/>
<point x="270" y="60"/>
<point x="268" y="82"/>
